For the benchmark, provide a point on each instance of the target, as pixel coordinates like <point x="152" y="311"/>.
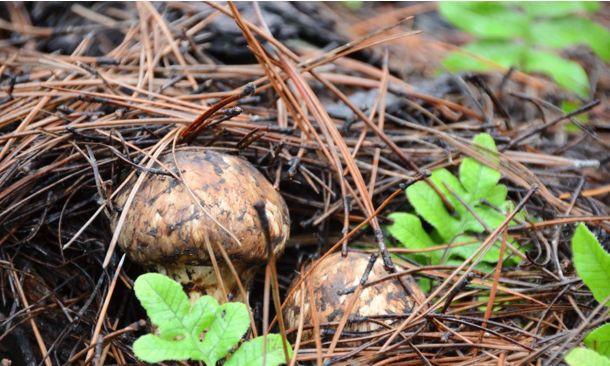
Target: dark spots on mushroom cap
<point x="209" y="157"/>
<point x="218" y="170"/>
<point x="152" y="231"/>
<point x="173" y="183"/>
<point x="335" y="315"/>
<point x="393" y="296"/>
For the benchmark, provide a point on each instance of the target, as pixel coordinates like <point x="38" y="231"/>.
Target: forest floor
<point x="351" y="108"/>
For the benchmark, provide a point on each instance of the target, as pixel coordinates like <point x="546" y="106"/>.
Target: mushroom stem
<point x="202" y="280"/>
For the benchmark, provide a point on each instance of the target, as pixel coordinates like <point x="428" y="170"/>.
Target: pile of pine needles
<point x="140" y="79"/>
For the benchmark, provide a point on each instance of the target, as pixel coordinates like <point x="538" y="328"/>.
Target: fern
<point x="202" y="331"/>
<point x="476" y="190"/>
<point x="527" y="35"/>
<point x="592" y="264"/>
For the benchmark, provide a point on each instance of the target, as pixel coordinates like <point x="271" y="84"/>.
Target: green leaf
<point x="586" y="357"/>
<point x="592" y="262"/>
<point x="485" y="19"/>
<point x="497" y="195"/>
<point x="479" y="179"/>
<point x="568" y="74"/>
<point x="353" y="5"/>
<point x="154" y="349"/>
<point x="429" y="205"/>
<point x="166" y="304"/>
<point x="231" y="323"/>
<point x="503" y="53"/>
<point x="178" y="324"/>
<point x="557" y="8"/>
<point x="490" y="216"/>
<point x="569" y="31"/>
<point x="477" y="182"/>
<point x="481" y="266"/>
<point x="508" y="35"/>
<point x="202" y="313"/>
<point x="521" y="216"/>
<point x="451" y="188"/>
<point x="568" y="106"/>
<point x="408" y="230"/>
<point x="445" y="181"/>
<point x="465" y="251"/>
<point x="251" y="352"/>
<point x="425" y="284"/>
<point x="599" y="340"/>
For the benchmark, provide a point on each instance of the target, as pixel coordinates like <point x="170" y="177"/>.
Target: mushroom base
<point x="202" y="280"/>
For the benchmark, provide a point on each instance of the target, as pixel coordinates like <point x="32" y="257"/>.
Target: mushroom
<point x="330" y="279"/>
<point x="167" y="228"/>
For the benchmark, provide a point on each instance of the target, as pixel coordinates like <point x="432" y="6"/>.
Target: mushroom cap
<point x="336" y="273"/>
<point x="165" y="225"/>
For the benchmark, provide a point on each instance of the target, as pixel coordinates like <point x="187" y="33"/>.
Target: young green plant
<point x="592" y="264"/>
<point x="199" y="331"/>
<point x="477" y="192"/>
<point x="527" y="35"/>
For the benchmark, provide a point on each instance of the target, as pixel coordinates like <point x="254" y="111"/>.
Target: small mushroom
<point x="167" y="228"/>
<point x="329" y="281"/>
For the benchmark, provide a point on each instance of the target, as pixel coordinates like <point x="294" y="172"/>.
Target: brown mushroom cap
<point x="334" y="274"/>
<point x="164" y="224"/>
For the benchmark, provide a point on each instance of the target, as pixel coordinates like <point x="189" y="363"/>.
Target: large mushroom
<point x="330" y="281"/>
<point x="167" y="228"/>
